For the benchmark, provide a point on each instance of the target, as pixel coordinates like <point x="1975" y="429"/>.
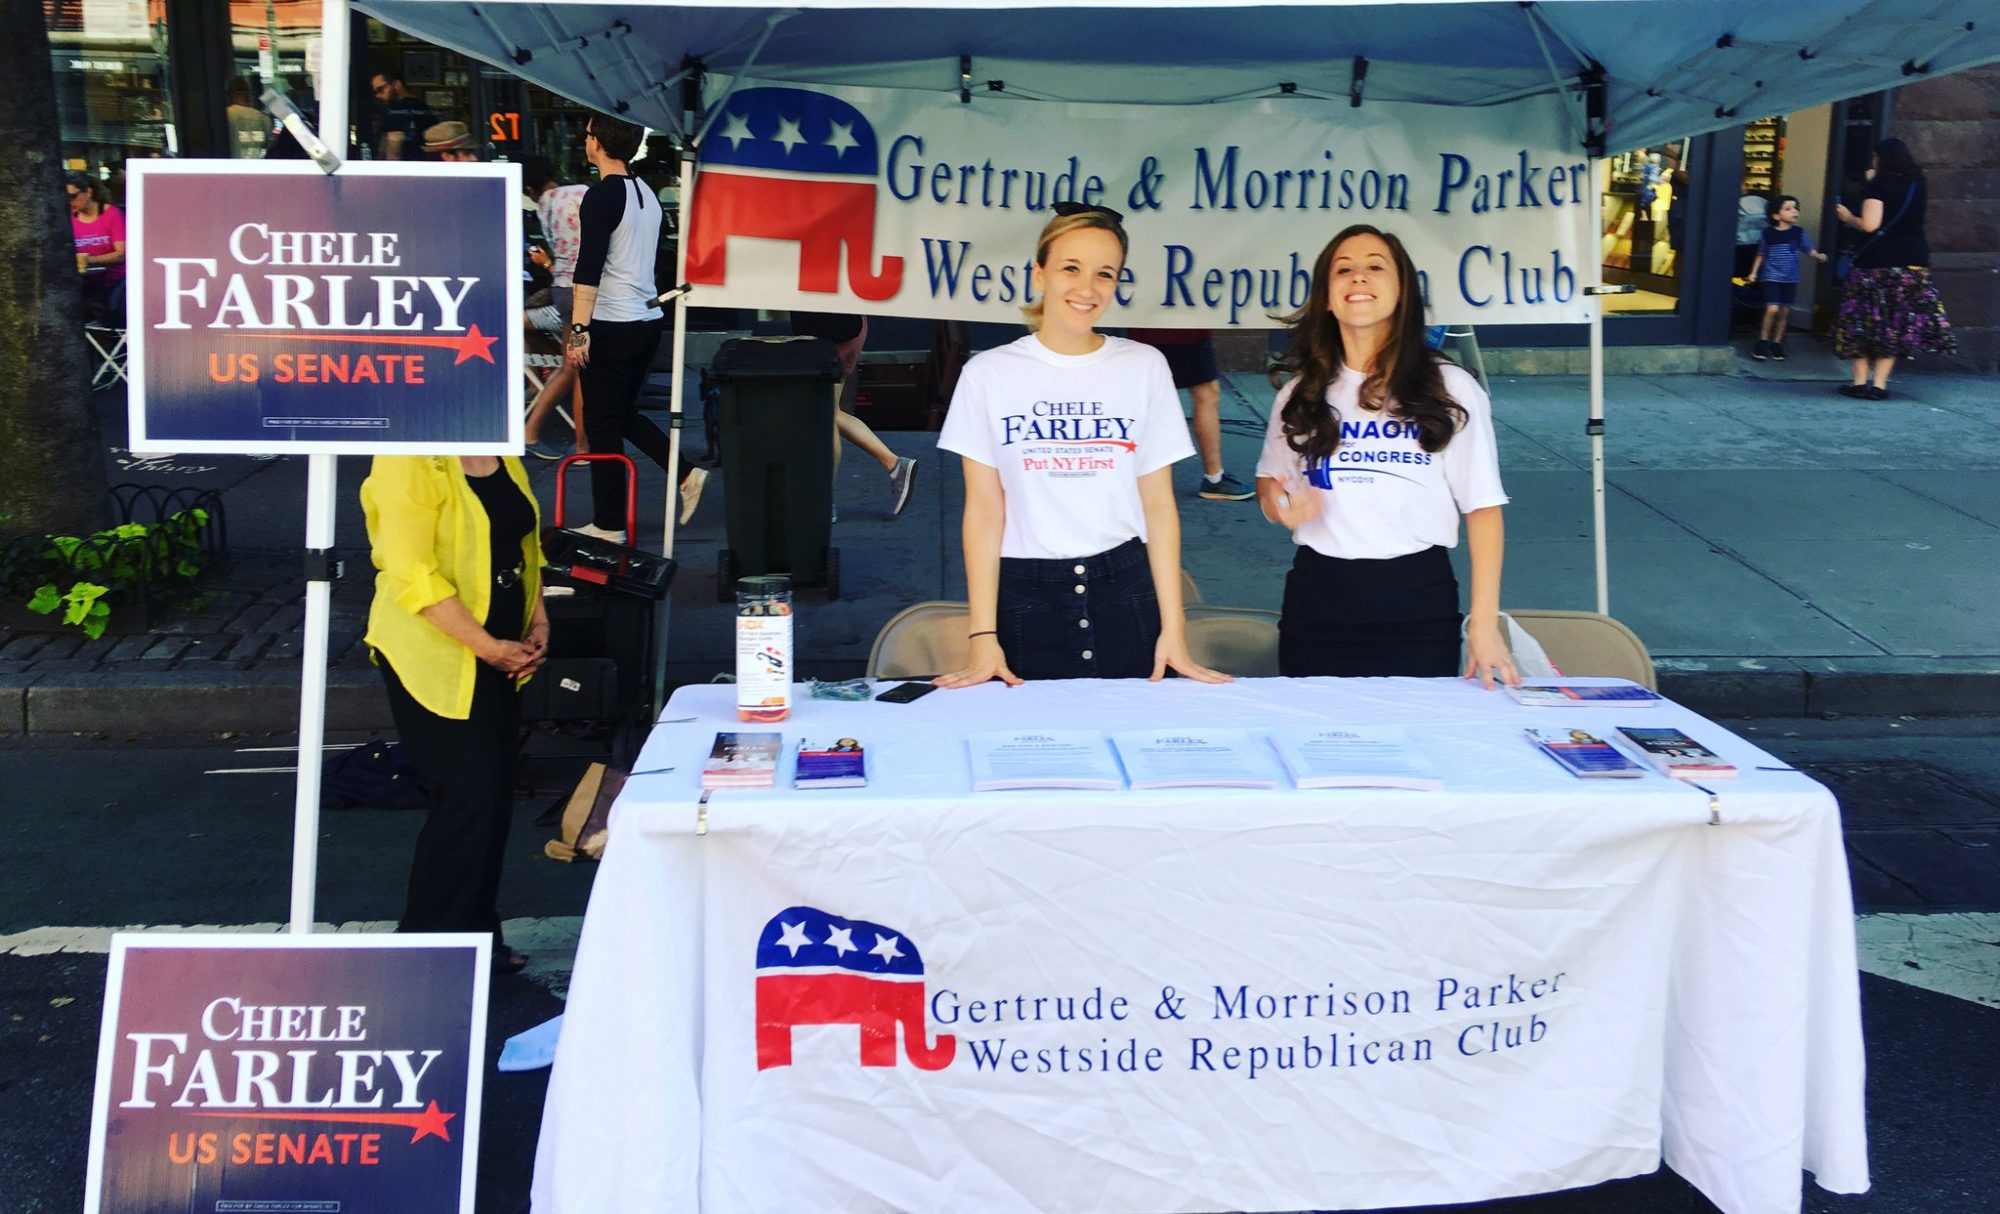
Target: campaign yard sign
<point x="907" y="202"/>
<point x="289" y="1074"/>
<point x="273" y="308"/>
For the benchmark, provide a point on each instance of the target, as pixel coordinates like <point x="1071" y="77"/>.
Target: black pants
<point x="1397" y="616"/>
<point x="621" y="352"/>
<point x="1090" y="617"/>
<point x="469" y="765"/>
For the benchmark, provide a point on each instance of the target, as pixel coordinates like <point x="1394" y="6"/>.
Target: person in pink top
<point x="99" y="229"/>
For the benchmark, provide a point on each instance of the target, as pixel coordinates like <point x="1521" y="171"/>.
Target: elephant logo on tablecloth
<point x="817" y="968"/>
<point x="792" y="164"/>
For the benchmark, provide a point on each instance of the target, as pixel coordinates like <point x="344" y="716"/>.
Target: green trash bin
<point x="776" y="414"/>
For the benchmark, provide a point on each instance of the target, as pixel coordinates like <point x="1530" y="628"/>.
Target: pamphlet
<point x="1194" y="758"/>
<point x="1050" y="758"/>
<point x="830" y="763"/>
<point x="1569" y="695"/>
<point x="743" y="760"/>
<point x="1678" y="755"/>
<point x="1353" y="758"/>
<point x="1582" y="753"/>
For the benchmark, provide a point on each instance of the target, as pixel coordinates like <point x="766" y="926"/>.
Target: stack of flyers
<point x="1570" y="695"/>
<point x="839" y="763"/>
<point x="1678" y="755"/>
<point x="1584" y="754"/>
<point x="743" y="760"/>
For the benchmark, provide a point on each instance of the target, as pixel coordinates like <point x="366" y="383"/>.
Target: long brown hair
<point x="1406" y="380"/>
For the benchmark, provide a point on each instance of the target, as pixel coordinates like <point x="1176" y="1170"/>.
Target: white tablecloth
<point x="1336" y="999"/>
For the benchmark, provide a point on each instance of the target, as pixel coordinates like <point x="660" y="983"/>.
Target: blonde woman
<point x="1068" y="439"/>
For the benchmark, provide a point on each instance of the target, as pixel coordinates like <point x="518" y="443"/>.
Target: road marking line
<point x="1950" y="954"/>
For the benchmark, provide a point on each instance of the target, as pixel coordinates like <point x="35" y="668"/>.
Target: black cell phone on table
<point x="903" y="693"/>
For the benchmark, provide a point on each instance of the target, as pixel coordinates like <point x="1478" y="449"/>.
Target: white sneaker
<point x="598" y="533"/>
<point x="691" y="488"/>
<point x="902" y="479"/>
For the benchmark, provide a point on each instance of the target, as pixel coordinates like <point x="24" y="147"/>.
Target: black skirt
<point x="1086" y="617"/>
<point x="1361" y="618"/>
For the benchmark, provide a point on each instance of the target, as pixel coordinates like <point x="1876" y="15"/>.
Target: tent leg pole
<point x="336" y="35"/>
<point x="1596" y="428"/>
<point x="678" y="407"/>
<point x="321" y="490"/>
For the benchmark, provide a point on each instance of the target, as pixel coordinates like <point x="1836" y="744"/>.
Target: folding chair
<point x="1588" y="644"/>
<point x="107" y="341"/>
<point x="1242" y="641"/>
<point x="921" y="641"/>
<point x="536" y="369"/>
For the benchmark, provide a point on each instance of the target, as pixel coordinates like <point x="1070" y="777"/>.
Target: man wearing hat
<point x="452" y="143"/>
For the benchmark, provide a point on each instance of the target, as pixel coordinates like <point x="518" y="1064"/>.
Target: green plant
<point x="114" y="567"/>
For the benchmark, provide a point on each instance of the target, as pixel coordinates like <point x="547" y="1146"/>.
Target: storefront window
<point x="273" y="44"/>
<point x="1646" y="194"/>
<point x="110" y="60"/>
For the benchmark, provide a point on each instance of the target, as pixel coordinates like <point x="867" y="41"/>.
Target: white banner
<point x="909" y="203"/>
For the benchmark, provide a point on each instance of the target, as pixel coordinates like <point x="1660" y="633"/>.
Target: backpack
<point x="374" y="775"/>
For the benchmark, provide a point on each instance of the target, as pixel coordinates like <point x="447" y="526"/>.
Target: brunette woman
<point x="1068" y="439"/>
<point x="1375" y="447"/>
<point x="1888" y="308"/>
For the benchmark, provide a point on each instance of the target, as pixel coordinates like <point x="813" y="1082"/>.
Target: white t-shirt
<point x="1070" y="435"/>
<point x="1390" y="497"/>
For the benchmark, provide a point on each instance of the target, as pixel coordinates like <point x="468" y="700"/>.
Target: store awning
<point x="1668" y="68"/>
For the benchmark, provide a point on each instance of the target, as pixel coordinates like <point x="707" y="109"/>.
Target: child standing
<point x="1777" y="269"/>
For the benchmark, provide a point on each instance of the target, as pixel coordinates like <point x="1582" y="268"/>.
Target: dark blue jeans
<point x="1087" y="617"/>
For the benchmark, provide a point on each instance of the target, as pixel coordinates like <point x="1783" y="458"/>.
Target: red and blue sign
<point x="294" y="1073"/>
<point x="273" y="308"/>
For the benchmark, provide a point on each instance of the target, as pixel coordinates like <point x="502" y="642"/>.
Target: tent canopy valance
<point x="1669" y="68"/>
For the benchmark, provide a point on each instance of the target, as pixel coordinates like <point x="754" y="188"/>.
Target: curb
<point x="1811" y="687"/>
<point x="185" y="702"/>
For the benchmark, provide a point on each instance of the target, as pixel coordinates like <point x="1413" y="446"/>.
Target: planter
<point x="127" y="619"/>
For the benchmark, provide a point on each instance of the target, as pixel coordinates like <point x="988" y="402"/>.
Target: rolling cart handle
<point x="631" y="489"/>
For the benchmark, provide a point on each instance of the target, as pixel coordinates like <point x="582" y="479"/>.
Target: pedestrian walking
<point x="1889" y="309"/>
<point x="1190" y="355"/>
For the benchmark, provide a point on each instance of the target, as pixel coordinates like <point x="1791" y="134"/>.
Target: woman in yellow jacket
<point x="457" y="623"/>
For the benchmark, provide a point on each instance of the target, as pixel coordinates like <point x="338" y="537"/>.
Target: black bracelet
<point x="988" y="633"/>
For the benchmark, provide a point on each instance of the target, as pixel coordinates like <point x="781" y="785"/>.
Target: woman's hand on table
<point x="1487" y="656"/>
<point x="1171" y="652"/>
<point x="984" y="663"/>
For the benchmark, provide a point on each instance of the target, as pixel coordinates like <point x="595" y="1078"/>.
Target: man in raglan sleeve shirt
<point x="615" y="327"/>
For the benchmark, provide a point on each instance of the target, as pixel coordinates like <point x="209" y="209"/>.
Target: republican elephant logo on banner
<point x="817" y="968"/>
<point x="799" y="166"/>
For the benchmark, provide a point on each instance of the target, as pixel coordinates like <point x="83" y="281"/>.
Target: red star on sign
<point x="431" y="1120"/>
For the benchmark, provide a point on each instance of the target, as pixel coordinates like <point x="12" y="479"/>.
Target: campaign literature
<point x="743" y="760"/>
<point x="1569" y="695"/>
<point x="1051" y="758"/>
<point x="1353" y="758"/>
<point x="1678" y="755"/>
<point x="1194" y="758"/>
<point x="830" y="763"/>
<point x="1582" y="753"/>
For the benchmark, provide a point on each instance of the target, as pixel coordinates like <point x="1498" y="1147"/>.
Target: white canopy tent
<point x="1629" y="72"/>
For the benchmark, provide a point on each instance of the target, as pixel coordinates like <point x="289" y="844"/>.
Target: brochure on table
<point x="1195" y="758"/>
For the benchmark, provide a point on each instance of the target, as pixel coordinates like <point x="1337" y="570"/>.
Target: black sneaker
<point x="1225" y="488"/>
<point x="1757" y="350"/>
<point x="1777" y="349"/>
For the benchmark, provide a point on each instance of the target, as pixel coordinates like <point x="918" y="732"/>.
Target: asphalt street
<point x="178" y="831"/>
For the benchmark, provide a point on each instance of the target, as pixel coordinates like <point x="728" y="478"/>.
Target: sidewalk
<point x="1781" y="549"/>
